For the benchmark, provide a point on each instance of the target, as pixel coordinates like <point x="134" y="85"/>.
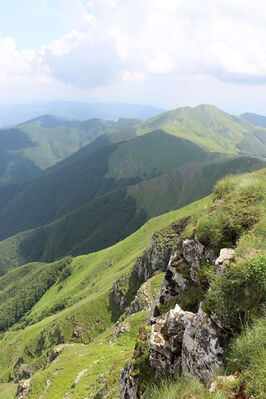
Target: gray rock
<point x="158" y="255"/>
<point x="173" y="284"/>
<point x="128" y="384"/>
<point x="23" y="390"/>
<point x="143" y="300"/>
<point x="225" y="256"/>
<point x="201" y="349"/>
<point x="165" y="345"/>
<point x="194" y="252"/>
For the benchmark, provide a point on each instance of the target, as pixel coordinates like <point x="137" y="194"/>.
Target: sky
<point x="166" y="53"/>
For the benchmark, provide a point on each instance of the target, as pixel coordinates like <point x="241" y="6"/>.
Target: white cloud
<point x="136" y="40"/>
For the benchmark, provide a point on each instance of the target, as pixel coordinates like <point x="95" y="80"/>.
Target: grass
<point x="247" y="356"/>
<point x="182" y="388"/>
<point x="208" y="127"/>
<point x="88" y="326"/>
<point x="86" y="292"/>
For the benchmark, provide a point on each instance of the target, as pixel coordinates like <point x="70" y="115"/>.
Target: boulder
<point x="173" y="284"/>
<point x="202" y="352"/>
<point x="23" y="390"/>
<point x="128" y="384"/>
<point x="225" y="256"/>
<point x="165" y="345"/>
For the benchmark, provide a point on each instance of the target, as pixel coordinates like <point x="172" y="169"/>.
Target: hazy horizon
<point x="166" y="54"/>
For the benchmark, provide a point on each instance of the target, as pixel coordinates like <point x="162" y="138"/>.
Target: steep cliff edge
<point x="208" y="293"/>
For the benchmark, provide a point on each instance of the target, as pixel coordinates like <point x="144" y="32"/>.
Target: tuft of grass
<point x="240" y="294"/>
<point x="248" y="358"/>
<point x="182" y="388"/>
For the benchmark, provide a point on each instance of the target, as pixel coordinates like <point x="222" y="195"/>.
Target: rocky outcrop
<point x="143" y="299"/>
<point x="188" y="343"/>
<point x="117" y="295"/>
<point x="55" y="353"/>
<point x="201" y="347"/>
<point x="194" y="252"/>
<point x="129" y="384"/>
<point x="173" y="284"/>
<point x="225" y="256"/>
<point x="182" y="272"/>
<point x="165" y="343"/>
<point x="23" y="390"/>
<point x="21" y="370"/>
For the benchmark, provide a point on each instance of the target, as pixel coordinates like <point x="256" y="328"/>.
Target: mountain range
<point x="78" y="327"/>
<point x="122" y="174"/>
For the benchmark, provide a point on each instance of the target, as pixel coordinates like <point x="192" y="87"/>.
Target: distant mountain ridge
<point x="42" y="142"/>
<point x="72" y="110"/>
<point x="255" y="119"/>
<point x="123" y="173"/>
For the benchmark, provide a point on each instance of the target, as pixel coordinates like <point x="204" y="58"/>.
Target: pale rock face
<point x="173" y="284"/>
<point x="128" y="384"/>
<point x="222" y="378"/>
<point x="201" y="349"/>
<point x="225" y="256"/>
<point x="158" y="256"/>
<point x="23" y="389"/>
<point x="143" y="300"/>
<point x="165" y="343"/>
<point x="188" y="343"/>
<point x="194" y="252"/>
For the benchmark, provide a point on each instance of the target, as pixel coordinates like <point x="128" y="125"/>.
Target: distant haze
<point x="11" y="115"/>
<point x="167" y="53"/>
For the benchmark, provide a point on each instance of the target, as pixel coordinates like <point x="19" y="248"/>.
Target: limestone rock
<point x="128" y="384"/>
<point x="225" y="256"/>
<point x="21" y="370"/>
<point x="143" y="300"/>
<point x="173" y="284"/>
<point x="201" y="349"/>
<point x="158" y="255"/>
<point x="194" y="252"/>
<point x="120" y="329"/>
<point x="23" y="390"/>
<point x="55" y="353"/>
<point x="165" y="345"/>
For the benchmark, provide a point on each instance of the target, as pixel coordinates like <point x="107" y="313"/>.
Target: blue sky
<point x="167" y="53"/>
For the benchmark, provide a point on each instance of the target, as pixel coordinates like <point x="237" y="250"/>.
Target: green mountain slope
<point x="64" y="189"/>
<point x="210" y="128"/>
<point x="254" y="119"/>
<point x="73" y="339"/>
<point x="42" y="142"/>
<point x="108" y="219"/>
<point x="84" y="292"/>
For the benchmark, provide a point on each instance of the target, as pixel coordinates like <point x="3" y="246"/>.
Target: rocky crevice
<point x="181" y="341"/>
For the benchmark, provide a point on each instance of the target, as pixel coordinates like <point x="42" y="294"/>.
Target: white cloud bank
<point x="137" y="40"/>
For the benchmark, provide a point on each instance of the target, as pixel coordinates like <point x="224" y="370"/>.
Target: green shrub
<point x="240" y="294"/>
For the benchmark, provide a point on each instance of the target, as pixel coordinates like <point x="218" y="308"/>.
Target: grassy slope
<point x="42" y="142"/>
<point x="86" y="293"/>
<point x="237" y="219"/>
<point x="187" y="183"/>
<point x="110" y="218"/>
<point x="210" y="128"/>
